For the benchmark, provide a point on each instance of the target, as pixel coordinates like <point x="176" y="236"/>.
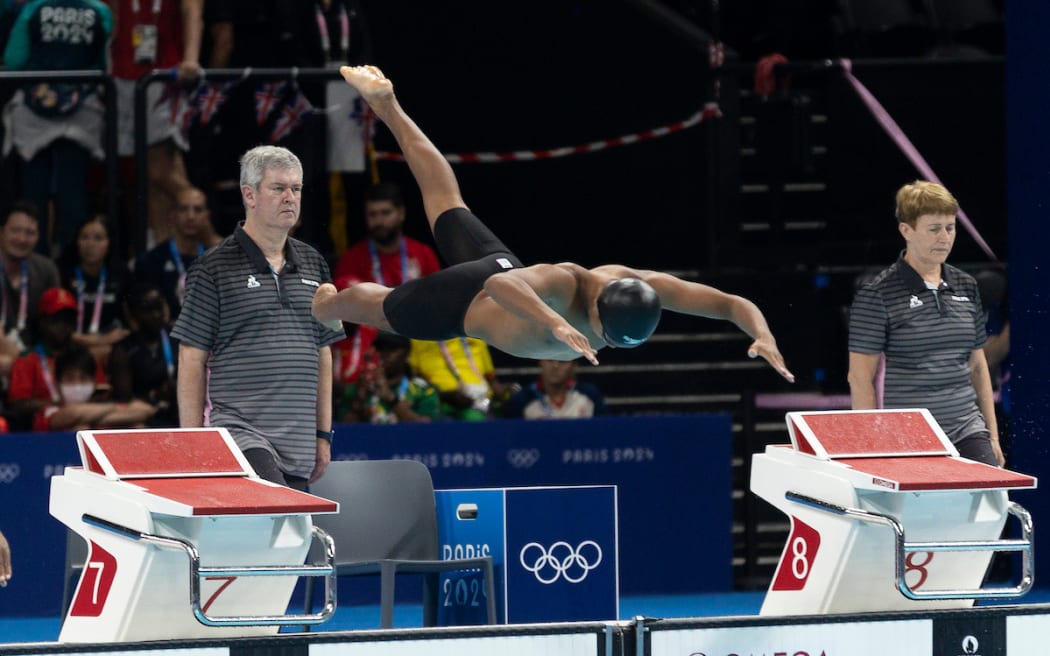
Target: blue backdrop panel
<point x="673" y="474"/>
<point x="470" y="537"/>
<point x="561" y="553"/>
<point x="38" y="540"/>
<point x="554" y="550"/>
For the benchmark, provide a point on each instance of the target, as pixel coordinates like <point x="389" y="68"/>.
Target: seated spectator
<point x="25" y="276"/>
<point x="143" y="365"/>
<point x="33" y="382"/>
<point x="76" y="409"/>
<point x="167" y="263"/>
<point x="461" y="369"/>
<point x="99" y="280"/>
<point x="555" y="395"/>
<point x="387" y="392"/>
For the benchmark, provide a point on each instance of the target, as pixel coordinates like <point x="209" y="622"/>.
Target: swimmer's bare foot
<point x="370" y="82"/>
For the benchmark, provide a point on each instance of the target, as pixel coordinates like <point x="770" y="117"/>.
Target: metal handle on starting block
<point x="1024" y="545"/>
<point x="326" y="570"/>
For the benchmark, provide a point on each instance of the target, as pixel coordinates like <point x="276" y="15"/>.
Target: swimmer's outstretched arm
<point x="699" y="300"/>
<point x="432" y="172"/>
<point x="521" y="292"/>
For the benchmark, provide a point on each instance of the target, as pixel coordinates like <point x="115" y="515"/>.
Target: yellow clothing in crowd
<point x="468" y="366"/>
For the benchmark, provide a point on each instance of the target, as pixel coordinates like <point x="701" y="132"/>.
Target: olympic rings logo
<point x="561" y="560"/>
<point x="9" y="471"/>
<point x="523" y="458"/>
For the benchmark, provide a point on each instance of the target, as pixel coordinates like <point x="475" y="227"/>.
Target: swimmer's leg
<point x="361" y="303"/>
<point x="431" y="170"/>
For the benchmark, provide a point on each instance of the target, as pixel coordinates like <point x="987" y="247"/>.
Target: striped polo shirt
<point x="263" y="343"/>
<point x="927" y="336"/>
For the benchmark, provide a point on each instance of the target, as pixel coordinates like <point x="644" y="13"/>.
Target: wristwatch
<point x="326" y="435"/>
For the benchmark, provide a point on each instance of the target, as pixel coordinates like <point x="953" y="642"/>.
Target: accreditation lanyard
<point x="169" y="359"/>
<point x="49" y="378"/>
<point x="180" y="266"/>
<point x="377" y="270"/>
<point x="447" y="354"/>
<point x="23" y="300"/>
<point x="344" y="31"/>
<point x="96" y="313"/>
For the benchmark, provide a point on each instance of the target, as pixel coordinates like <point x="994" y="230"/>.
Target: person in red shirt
<point x="386" y="256"/>
<point x="34" y="383"/>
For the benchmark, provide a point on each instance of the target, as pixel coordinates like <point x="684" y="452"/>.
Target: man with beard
<point x="168" y="262"/>
<point x="386" y="256"/>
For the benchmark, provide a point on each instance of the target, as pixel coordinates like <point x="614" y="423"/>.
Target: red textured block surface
<point x="235" y="496"/>
<point x="855" y="433"/>
<point x="938" y="473"/>
<point x="167" y="452"/>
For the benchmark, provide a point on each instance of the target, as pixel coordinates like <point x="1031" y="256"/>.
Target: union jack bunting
<point x="211" y="97"/>
<point x="268" y="96"/>
<point x="293" y="111"/>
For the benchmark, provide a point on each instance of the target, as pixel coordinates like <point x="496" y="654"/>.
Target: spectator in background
<point x="77" y="407"/>
<point x="166" y="264"/>
<point x="152" y="34"/>
<point x="34" y="384"/>
<point x="387" y="392"/>
<point x="57" y="126"/>
<point x="144" y="365"/>
<point x="925" y="316"/>
<point x="89" y="268"/>
<point x="26" y="275"/>
<point x="385" y="256"/>
<point x="555" y="395"/>
<point x="462" y="371"/>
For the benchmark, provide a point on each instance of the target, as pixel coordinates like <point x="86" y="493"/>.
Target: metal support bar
<point x="197" y="572"/>
<point x="1024" y="545"/>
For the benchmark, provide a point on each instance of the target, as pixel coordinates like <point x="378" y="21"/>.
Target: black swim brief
<point x="434" y="307"/>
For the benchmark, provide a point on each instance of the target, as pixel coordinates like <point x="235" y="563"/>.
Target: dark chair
<point x="387" y="525"/>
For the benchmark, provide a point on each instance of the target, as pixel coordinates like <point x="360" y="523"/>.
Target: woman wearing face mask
<point x="75" y="371"/>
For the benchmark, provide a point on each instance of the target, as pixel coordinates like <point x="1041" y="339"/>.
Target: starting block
<point x="885" y="515"/>
<point x="185" y="540"/>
